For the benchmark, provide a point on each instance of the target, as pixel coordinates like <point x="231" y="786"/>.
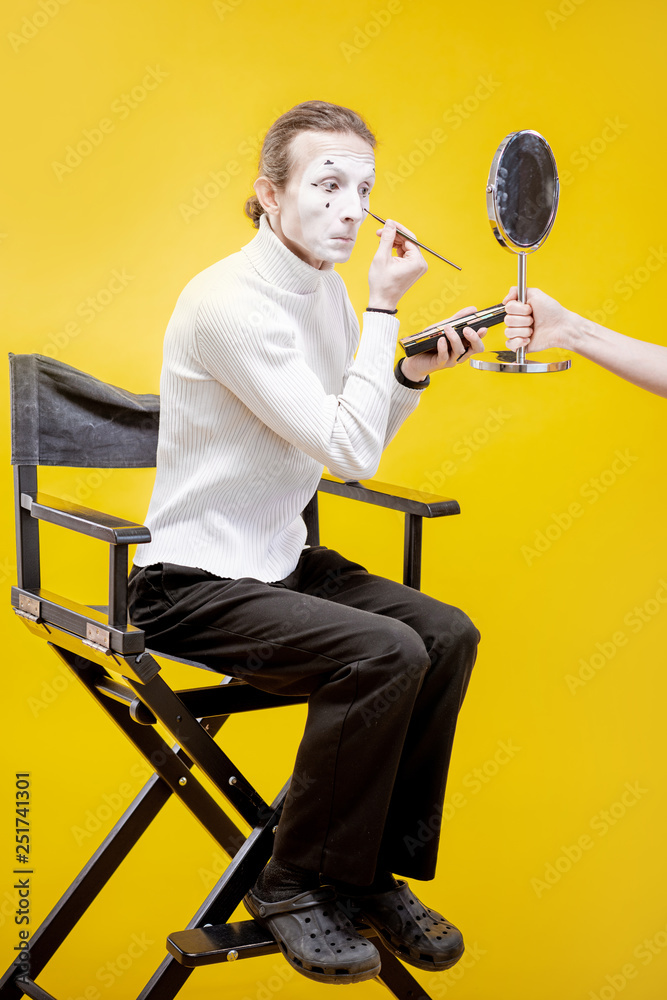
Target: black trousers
<point x="385" y="669"/>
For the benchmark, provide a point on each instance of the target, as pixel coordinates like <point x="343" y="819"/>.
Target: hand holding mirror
<point x="521" y="200"/>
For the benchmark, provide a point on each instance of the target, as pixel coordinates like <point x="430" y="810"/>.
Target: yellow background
<point x="516" y="452"/>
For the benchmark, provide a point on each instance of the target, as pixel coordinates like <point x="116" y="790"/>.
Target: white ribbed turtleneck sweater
<point x="260" y="390"/>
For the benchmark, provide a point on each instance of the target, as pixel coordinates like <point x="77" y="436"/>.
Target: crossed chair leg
<point x="209" y="938"/>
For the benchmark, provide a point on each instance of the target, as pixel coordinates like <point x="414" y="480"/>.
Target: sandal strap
<point x="304" y="901"/>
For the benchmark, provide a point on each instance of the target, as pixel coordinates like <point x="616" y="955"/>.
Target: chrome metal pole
<point x="522" y="295"/>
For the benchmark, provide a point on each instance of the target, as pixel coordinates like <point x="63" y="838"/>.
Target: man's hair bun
<point x="254" y="210"/>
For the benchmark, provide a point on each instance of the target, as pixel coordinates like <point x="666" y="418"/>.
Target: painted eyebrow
<point x="330" y="163"/>
<point x="368" y="180"/>
<point x="342" y="170"/>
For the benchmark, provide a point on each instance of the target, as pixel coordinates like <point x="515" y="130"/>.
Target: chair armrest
<point x="395" y="497"/>
<point x="93" y="523"/>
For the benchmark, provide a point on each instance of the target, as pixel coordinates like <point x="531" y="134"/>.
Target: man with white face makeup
<point x="323" y="203"/>
<point x="265" y="381"/>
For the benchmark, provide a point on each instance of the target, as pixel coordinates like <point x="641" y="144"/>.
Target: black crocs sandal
<point x="316" y="938"/>
<point x="410" y="930"/>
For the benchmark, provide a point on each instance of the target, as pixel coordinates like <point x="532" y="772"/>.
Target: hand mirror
<point x="521" y="201"/>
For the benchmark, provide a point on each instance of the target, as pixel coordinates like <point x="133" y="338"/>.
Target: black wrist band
<point x="390" y="312"/>
<point x="403" y="380"/>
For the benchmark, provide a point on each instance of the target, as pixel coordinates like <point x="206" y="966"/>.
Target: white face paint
<point x="323" y="203"/>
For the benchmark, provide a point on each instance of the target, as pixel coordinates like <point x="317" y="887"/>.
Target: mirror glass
<point x="524" y="184"/>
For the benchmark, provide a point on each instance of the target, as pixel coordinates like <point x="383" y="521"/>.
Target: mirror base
<point x="505" y="361"/>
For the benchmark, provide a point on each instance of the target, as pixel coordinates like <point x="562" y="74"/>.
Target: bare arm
<point x="542" y="322"/>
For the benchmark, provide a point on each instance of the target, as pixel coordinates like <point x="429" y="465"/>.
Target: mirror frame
<point x="491" y="195"/>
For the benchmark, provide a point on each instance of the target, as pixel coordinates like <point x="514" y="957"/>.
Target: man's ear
<point x="266" y="192"/>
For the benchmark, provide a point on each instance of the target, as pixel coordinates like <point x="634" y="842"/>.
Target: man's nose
<point x="351" y="209"/>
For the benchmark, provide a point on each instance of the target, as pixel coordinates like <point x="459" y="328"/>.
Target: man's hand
<point x="449" y="353"/>
<point x="537" y="324"/>
<point x="390" y="277"/>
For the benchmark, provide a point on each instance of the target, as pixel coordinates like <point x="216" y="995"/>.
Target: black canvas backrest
<point x="64" y="417"/>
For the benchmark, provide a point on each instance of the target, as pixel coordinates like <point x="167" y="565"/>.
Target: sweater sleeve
<point x="260" y="363"/>
<point x="402" y="401"/>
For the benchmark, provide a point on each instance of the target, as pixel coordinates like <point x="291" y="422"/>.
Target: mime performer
<point x="260" y="389"/>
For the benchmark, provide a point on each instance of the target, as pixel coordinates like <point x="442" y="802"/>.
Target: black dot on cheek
<point x="327" y="205"/>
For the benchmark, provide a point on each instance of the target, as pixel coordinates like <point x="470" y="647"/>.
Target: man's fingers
<point x="387" y="235"/>
<point x="474" y="338"/>
<point x="518" y="322"/>
<point x="512" y="294"/>
<point x="404" y="245"/>
<point x="515" y="308"/>
<point x="454" y="341"/>
<point x="514" y="343"/>
<point x="404" y="229"/>
<point x="444" y="351"/>
<point x="464" y="312"/>
<point x="406" y="248"/>
<point x="390" y="240"/>
<point x="388" y="231"/>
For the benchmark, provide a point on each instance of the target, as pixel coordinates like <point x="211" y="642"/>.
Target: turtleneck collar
<point x="278" y="265"/>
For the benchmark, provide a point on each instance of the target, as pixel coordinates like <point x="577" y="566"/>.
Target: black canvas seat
<point x="64" y="417"/>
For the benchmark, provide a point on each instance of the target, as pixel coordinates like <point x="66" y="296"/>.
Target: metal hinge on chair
<point x="97" y="638"/>
<point x="29" y="607"/>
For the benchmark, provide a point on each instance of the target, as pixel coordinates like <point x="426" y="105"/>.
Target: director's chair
<point x="64" y="417"/>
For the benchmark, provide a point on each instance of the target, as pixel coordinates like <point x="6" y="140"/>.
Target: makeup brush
<point x="407" y="236"/>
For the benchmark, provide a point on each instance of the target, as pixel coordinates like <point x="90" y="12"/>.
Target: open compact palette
<point x="426" y="340"/>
